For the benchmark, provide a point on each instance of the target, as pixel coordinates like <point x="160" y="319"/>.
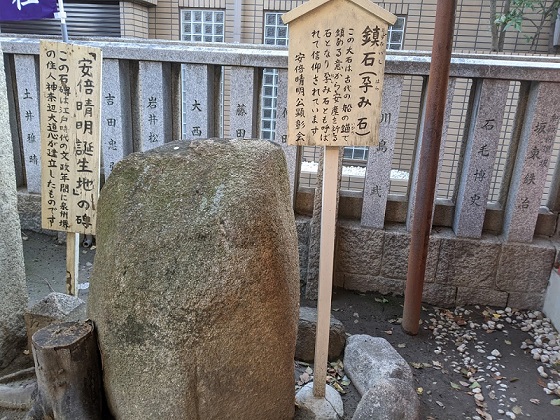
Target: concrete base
<point x="552" y="299"/>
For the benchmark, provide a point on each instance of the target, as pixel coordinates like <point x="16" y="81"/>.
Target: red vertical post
<point x="429" y="155"/>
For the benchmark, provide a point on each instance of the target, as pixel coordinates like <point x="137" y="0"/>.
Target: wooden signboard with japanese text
<point x="335" y="72"/>
<point x="70" y="85"/>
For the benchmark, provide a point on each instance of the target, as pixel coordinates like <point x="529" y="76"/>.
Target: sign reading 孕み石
<point x="335" y="72"/>
<point x="70" y="82"/>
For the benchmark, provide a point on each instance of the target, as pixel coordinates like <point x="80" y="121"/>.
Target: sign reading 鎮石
<point x="335" y="72"/>
<point x="70" y="83"/>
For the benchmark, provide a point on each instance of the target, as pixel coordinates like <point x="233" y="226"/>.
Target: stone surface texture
<point x="459" y="271"/>
<point x="369" y="359"/>
<point x="195" y="286"/>
<point x="307" y="331"/>
<point x="389" y="399"/>
<point x="524" y="267"/>
<point x="352" y="237"/>
<point x="13" y="298"/>
<point x="468" y="263"/>
<point x="310" y="408"/>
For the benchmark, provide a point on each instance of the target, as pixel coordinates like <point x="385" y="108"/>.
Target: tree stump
<point x="68" y="369"/>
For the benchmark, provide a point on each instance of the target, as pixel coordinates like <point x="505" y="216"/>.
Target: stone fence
<point x="484" y="250"/>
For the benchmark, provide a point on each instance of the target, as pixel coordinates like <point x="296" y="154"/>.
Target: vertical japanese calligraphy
<point x="335" y="78"/>
<point x="70" y="81"/>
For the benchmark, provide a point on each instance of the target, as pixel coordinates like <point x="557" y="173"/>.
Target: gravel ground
<point x="469" y="363"/>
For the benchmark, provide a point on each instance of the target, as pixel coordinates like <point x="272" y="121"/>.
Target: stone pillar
<point x="152" y="105"/>
<point x="540" y="124"/>
<point x="116" y="119"/>
<point x="28" y="98"/>
<point x="13" y="290"/>
<point x="243" y="102"/>
<point x="202" y="84"/>
<point x="380" y="158"/>
<point x="479" y="158"/>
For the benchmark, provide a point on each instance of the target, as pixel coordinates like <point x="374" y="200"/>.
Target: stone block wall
<point x="486" y="271"/>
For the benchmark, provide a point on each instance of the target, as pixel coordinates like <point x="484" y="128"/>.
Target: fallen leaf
<point x="514" y="379"/>
<point x="381" y="300"/>
<point x="497" y="377"/>
<point x="484" y="414"/>
<point x="507" y="342"/>
<point x="517" y="410"/>
<point x="555" y="402"/>
<point x="535" y="401"/>
<point x="401" y="345"/>
<point x="436" y="364"/>
<point x="416" y="365"/>
<point x="338" y="388"/>
<point x="420" y="390"/>
<point x="474" y="385"/>
<point x="541" y="383"/>
<point x="455" y="386"/>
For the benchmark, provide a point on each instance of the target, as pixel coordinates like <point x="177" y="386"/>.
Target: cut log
<point x="68" y="369"/>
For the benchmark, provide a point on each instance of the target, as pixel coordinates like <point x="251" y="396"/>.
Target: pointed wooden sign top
<point x="335" y="72"/>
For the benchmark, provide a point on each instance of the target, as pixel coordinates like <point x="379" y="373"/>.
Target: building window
<point x="396" y="34"/>
<point x="275" y="33"/>
<point x="199" y="25"/>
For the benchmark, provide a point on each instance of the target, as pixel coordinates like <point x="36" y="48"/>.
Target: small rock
<point x="310" y="408"/>
<point x="496" y="353"/>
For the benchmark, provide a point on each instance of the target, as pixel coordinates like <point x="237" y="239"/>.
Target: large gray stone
<point x="389" y="399"/>
<point x="195" y="286"/>
<point x="307" y="331"/>
<point x="369" y="359"/>
<point x="311" y="408"/>
<point x="13" y="298"/>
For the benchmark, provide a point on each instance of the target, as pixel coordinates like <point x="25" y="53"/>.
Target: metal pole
<point x="429" y="155"/>
<point x="62" y="16"/>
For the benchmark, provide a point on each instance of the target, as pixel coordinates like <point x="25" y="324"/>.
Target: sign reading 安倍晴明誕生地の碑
<point x="335" y="72"/>
<point x="70" y="83"/>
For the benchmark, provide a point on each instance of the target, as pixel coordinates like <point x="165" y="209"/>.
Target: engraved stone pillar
<point x="243" y="102"/>
<point x="198" y="110"/>
<point x="480" y="153"/>
<point x="152" y="106"/>
<point x="531" y="165"/>
<point x="116" y="118"/>
<point x="28" y="98"/>
<point x="378" y="171"/>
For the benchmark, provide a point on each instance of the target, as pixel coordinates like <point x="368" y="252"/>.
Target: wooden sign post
<point x="70" y="84"/>
<point x="335" y="78"/>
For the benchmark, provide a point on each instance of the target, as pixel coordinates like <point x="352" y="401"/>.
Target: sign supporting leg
<point x="72" y="261"/>
<point x="326" y="261"/>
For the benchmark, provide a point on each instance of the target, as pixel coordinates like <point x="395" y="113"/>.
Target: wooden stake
<point x="326" y="261"/>
<point x="72" y="261"/>
<point x="68" y="369"/>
